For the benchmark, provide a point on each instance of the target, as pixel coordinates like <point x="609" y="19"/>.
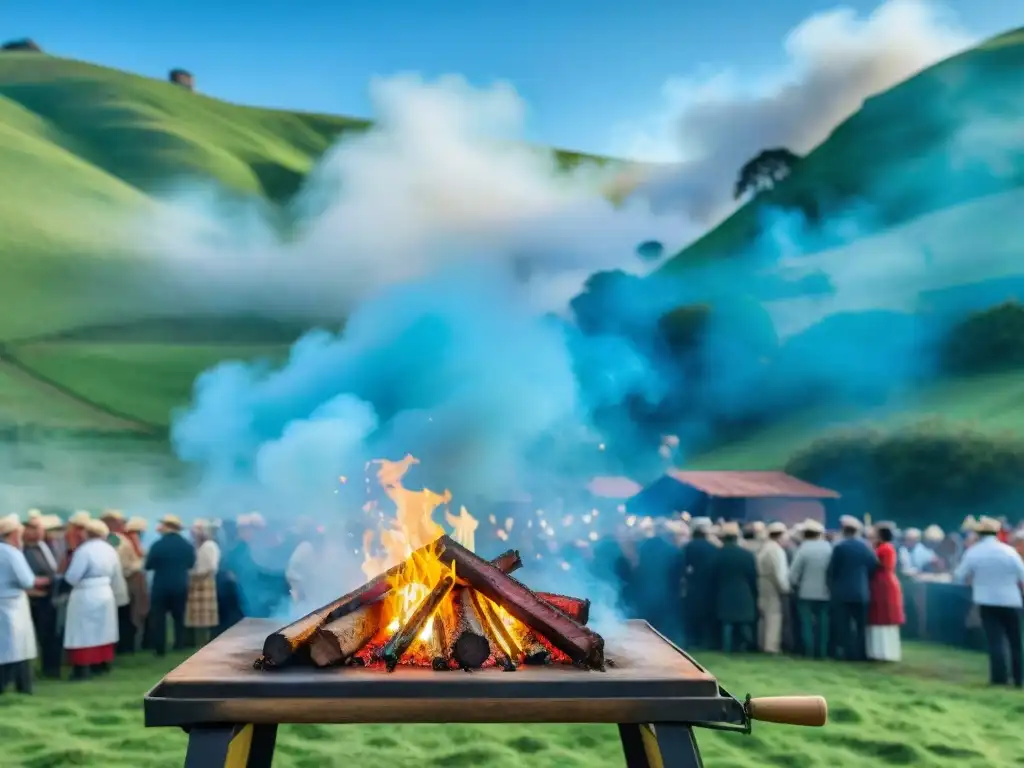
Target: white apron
<point x="92" y="614"/>
<point x="17" y="634"/>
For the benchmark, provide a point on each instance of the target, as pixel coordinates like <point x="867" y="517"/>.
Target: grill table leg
<point x="231" y="746"/>
<point x="661" y="745"/>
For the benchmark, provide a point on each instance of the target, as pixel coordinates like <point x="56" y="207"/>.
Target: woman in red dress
<point x="885" y="610"/>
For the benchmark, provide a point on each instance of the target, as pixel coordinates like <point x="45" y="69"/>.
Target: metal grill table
<point x="652" y="690"/>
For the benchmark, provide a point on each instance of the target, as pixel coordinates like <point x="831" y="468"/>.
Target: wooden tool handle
<point x="789" y="710"/>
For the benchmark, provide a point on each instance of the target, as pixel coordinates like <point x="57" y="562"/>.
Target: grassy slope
<point x="889" y="136"/>
<point x="930" y="710"/>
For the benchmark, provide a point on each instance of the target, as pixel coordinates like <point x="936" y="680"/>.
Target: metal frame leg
<point x="231" y="746"/>
<point x="660" y="745"/>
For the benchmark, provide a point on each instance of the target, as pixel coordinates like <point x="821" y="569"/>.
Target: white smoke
<point x="713" y="124"/>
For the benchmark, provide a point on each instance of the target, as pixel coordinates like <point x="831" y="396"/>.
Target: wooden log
<point x="438" y="646"/>
<point x="535" y="653"/>
<point x="399" y="642"/>
<point x="465" y="637"/>
<point x="578" y="609"/>
<point x="499" y="632"/>
<point x="580" y="644"/>
<point x="336" y="642"/>
<point x="489" y="619"/>
<point x="280" y="647"/>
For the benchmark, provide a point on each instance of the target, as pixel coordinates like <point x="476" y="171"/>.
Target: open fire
<point x="431" y="601"/>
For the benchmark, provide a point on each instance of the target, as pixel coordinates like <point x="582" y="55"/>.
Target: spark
<point x="593" y="536"/>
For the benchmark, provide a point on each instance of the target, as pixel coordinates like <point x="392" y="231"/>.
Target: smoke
<point x="713" y="123"/>
<point x="443" y="177"/>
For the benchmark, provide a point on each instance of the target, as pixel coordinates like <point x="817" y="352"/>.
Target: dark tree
<point x="24" y="44"/>
<point x="765" y="171"/>
<point x="650" y="250"/>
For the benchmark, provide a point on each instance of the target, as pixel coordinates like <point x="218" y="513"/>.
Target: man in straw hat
<point x="114" y="520"/>
<point x="44" y="612"/>
<point x="90" y="629"/>
<point x="850" y="569"/>
<point x="133" y="562"/>
<point x="17" y="634"/>
<point x="201" y="609"/>
<point x="753" y="536"/>
<point x="170" y="559"/>
<point x="772" y="588"/>
<point x="996" y="574"/>
<point x="734" y="579"/>
<point x="699" y="603"/>
<point x="808" y="576"/>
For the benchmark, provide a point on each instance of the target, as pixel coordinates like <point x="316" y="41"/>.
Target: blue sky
<point x="583" y="66"/>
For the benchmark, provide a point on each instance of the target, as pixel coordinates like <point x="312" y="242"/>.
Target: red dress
<point x="886" y="606"/>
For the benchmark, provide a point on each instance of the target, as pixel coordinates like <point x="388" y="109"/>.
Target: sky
<point x="589" y="71"/>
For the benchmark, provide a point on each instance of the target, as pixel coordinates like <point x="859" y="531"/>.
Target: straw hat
<point x="912" y="533"/>
<point x="172" y="522"/>
<point x="701" y="523"/>
<point x="988" y="525"/>
<point x="933" y="533"/>
<point x="10" y="524"/>
<point x="970" y="523"/>
<point x="33" y="514"/>
<point x="849" y="521"/>
<point x="79" y="519"/>
<point x="256" y="520"/>
<point x="729" y="529"/>
<point x="135" y="525"/>
<point x="51" y="522"/>
<point x="756" y="527"/>
<point x="112" y="514"/>
<point x="202" y="525"/>
<point x="97" y="528"/>
<point x="812" y="526"/>
<point x="776" y="528"/>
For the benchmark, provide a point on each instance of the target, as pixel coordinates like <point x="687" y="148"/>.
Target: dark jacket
<point x="170" y="560"/>
<point x="698" y="563"/>
<point x="734" y="579"/>
<point x="850" y="569"/>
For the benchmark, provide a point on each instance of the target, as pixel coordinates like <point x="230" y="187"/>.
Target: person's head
<point x="911" y="536"/>
<point x="34" y="531"/>
<point x="135" y="527"/>
<point x="201" y="531"/>
<point x="812" y="530"/>
<point x="885" y="533"/>
<point x="777" y="531"/>
<point x="988" y="527"/>
<point x="850" y="526"/>
<point x="10" y="530"/>
<point x="729" y="533"/>
<point x="113" y="519"/>
<point x="170" y="524"/>
<point x="96" y="529"/>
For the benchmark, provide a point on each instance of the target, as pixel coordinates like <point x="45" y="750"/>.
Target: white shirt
<point x="15" y="574"/>
<point x="915" y="559"/>
<point x="207" y="559"/>
<point x="93" y="559"/>
<point x="996" y="573"/>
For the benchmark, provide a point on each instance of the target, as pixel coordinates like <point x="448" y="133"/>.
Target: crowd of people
<point x="812" y="592"/>
<point x="79" y="592"/>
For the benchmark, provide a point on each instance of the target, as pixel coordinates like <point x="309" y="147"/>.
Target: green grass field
<point x="931" y="710"/>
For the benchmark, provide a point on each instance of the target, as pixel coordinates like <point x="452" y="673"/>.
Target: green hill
<point x="901" y="152"/>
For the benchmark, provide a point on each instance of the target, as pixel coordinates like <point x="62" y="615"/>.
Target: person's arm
<point x="23" y="572"/>
<point x="780" y="570"/>
<point x="965" y="570"/>
<point x="153" y="557"/>
<point x="76" y="569"/>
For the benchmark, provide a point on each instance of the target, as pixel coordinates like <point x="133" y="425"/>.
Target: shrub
<point x="988" y="340"/>
<point x="919" y="475"/>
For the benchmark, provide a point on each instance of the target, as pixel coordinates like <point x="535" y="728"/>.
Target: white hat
<point x="97" y="528"/>
<point x="731" y="528"/>
<point x="988" y="525"/>
<point x="255" y="519"/>
<point x="10" y="524"/>
<point x="136" y="525"/>
<point x="812" y="526"/>
<point x="970" y="523"/>
<point x="757" y="527"/>
<point x="912" y="533"/>
<point x="34" y="514"/>
<point x="51" y="522"/>
<point x="849" y="521"/>
<point x="171" y="521"/>
<point x="701" y="523"/>
<point x="79" y="519"/>
<point x="933" y="533"/>
<point x="776" y="527"/>
<point x="112" y="514"/>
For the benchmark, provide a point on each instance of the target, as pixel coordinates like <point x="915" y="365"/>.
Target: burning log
<point x="280" y="647"/>
<point x="338" y="641"/>
<point x="502" y="637"/>
<point x="464" y="632"/>
<point x="582" y="645"/>
<point x="535" y="653"/>
<point x="577" y="609"/>
<point x="399" y="642"/>
<point x="438" y="646"/>
<point x="489" y="621"/>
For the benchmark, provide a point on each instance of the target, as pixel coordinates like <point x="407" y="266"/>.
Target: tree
<point x="765" y="171"/>
<point x="650" y="250"/>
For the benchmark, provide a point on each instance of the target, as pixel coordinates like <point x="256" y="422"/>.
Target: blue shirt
<point x="996" y="573"/>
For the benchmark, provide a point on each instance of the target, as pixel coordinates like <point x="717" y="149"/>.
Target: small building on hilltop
<point x="182" y="77"/>
<point x="25" y="44"/>
<point x="741" y="496"/>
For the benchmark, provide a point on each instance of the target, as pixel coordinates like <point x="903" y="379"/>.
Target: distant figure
<point x="996" y="574"/>
<point x="114" y="521"/>
<point x="753" y="536"/>
<point x="885" y="610"/>
<point x="734" y="580"/>
<point x="772" y="588"/>
<point x="915" y="556"/>
<point x="201" y="609"/>
<point x="850" y="569"/>
<point x="90" y="630"/>
<point x="17" y="634"/>
<point x="44" y="611"/>
<point x="698" y="600"/>
<point x="170" y="559"/>
<point x="808" y="576"/>
<point x="133" y="563"/>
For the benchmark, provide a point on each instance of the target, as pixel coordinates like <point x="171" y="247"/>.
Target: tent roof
<point x="751" y="485"/>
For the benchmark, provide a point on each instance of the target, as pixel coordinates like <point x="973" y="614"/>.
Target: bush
<point x="988" y="340"/>
<point x="918" y="476"/>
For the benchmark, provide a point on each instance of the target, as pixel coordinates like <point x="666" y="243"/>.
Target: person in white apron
<point x="17" y="634"/>
<point x="90" y="630"/>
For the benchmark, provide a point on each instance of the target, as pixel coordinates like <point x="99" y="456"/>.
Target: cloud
<point x="715" y="121"/>
<point x="443" y="177"/>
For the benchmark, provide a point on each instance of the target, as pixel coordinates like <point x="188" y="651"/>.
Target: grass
<point x="931" y="710"/>
<point x="992" y="404"/>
